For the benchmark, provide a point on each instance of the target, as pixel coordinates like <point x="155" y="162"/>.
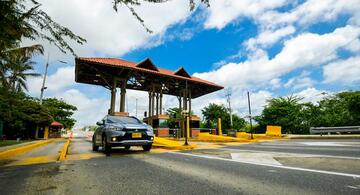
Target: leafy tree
<point x="15" y="69"/>
<point x="175" y="115"/>
<point x="25" y="19"/>
<point x="60" y="111"/>
<point x="21" y="114"/>
<point x="342" y="109"/>
<point x="285" y="112"/>
<point x="212" y="112"/>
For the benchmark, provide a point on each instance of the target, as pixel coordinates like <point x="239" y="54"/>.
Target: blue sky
<point x="270" y="48"/>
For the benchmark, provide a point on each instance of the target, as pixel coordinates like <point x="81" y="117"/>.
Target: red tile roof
<point x="132" y="65"/>
<point x="55" y="123"/>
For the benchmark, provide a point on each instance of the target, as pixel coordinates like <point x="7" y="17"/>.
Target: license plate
<point x="136" y="135"/>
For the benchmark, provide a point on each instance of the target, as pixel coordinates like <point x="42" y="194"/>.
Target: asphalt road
<point x="209" y="171"/>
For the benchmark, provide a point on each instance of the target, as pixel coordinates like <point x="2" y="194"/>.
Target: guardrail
<point x="328" y="130"/>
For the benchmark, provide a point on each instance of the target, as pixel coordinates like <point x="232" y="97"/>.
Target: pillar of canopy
<point x="156" y="118"/>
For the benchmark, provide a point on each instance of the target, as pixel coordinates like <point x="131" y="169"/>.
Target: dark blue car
<point x="126" y="131"/>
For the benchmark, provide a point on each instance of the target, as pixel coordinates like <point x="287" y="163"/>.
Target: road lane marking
<point x="303" y="148"/>
<point x="291" y="154"/>
<point x="255" y="157"/>
<point x="268" y="165"/>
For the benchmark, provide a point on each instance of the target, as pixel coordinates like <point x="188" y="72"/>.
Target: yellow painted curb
<point x="64" y="150"/>
<point x="206" y="137"/>
<point x="22" y="149"/>
<point x="170" y="144"/>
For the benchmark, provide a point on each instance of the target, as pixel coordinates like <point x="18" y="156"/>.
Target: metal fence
<point x="339" y="130"/>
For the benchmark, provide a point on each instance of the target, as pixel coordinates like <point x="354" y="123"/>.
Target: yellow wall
<point x="273" y="130"/>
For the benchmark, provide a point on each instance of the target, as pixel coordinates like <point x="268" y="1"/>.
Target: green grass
<point x="10" y="142"/>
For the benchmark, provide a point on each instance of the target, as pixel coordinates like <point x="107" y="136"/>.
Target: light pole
<point x="228" y="95"/>
<point x="251" y="130"/>
<point x="44" y="79"/>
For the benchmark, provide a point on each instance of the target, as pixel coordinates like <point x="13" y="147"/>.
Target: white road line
<point x="292" y="154"/>
<point x="276" y="166"/>
<point x="304" y="148"/>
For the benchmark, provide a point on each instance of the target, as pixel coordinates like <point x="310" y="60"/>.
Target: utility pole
<point x="251" y="130"/>
<point x="228" y="95"/>
<point x="44" y="80"/>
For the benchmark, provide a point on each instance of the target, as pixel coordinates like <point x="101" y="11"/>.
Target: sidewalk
<point x="4" y="148"/>
<point x="9" y="152"/>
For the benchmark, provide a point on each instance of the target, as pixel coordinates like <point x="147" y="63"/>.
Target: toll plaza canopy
<point x="139" y="76"/>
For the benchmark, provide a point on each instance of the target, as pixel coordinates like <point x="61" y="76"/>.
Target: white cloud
<point x="312" y="95"/>
<point x="269" y="37"/>
<point x="312" y="11"/>
<point x="222" y="12"/>
<point x="63" y="77"/>
<point x="305" y="50"/>
<point x="90" y="110"/>
<point x="275" y="83"/>
<point x="113" y="33"/>
<point x="302" y="81"/>
<point x="346" y="71"/>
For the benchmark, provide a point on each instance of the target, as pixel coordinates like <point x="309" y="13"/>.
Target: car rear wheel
<point x="105" y="147"/>
<point x="127" y="147"/>
<point x="94" y="146"/>
<point x="147" y="147"/>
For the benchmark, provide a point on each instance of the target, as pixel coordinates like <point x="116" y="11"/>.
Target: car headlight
<point x="150" y="131"/>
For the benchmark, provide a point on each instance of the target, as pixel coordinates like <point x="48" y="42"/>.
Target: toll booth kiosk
<point x="159" y="123"/>
<point x="194" y="123"/>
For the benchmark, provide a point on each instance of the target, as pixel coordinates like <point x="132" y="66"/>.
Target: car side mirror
<point x="100" y="123"/>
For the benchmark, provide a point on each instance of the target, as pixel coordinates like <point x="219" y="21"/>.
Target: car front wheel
<point x="105" y="147"/>
<point x="147" y="147"/>
<point x="94" y="146"/>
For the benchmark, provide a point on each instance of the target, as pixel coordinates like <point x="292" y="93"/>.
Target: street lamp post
<point x="251" y="130"/>
<point x="44" y="79"/>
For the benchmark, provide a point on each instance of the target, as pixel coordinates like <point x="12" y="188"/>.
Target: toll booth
<point x="159" y="123"/>
<point x="114" y="74"/>
<point x="194" y="123"/>
<point x="55" y="130"/>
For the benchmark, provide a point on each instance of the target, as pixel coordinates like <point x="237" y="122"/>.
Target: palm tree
<point x="16" y="66"/>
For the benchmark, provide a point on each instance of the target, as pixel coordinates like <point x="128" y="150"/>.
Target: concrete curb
<point x="64" y="150"/>
<point x="22" y="149"/>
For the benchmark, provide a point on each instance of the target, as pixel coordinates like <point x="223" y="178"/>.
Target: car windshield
<point x="124" y="120"/>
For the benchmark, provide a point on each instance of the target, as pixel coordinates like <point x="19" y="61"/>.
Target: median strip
<point x="23" y="149"/>
<point x="170" y="144"/>
<point x="64" y="150"/>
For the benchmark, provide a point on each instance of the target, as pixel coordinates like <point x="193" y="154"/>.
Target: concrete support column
<point x="161" y="102"/>
<point x="149" y="112"/>
<point x="113" y="97"/>
<point x="152" y="102"/>
<point x="122" y="96"/>
<point x="157" y="103"/>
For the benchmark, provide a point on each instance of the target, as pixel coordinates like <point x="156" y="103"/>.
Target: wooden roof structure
<point x="140" y="76"/>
